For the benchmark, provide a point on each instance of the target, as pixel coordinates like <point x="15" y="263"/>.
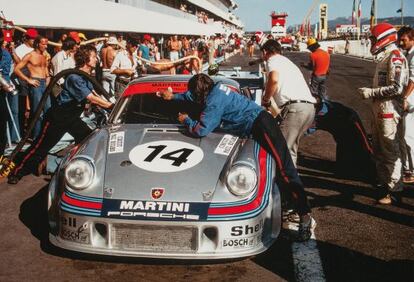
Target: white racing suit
<point x="391" y="76"/>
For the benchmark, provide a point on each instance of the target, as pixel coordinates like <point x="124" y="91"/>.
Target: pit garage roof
<point x="98" y="15"/>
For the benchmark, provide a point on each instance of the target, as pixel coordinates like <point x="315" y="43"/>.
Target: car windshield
<point x="148" y="108"/>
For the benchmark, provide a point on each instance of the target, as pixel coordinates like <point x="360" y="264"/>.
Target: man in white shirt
<point x="407" y="44"/>
<point x="64" y="59"/>
<point x="286" y="84"/>
<point x="124" y="66"/>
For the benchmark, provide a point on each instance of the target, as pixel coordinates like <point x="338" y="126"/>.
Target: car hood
<point x="142" y="160"/>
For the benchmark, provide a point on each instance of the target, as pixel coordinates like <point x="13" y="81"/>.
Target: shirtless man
<point x="36" y="63"/>
<point x="175" y="46"/>
<point x="108" y="54"/>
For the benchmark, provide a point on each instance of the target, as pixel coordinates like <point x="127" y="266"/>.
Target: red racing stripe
<point x="81" y="204"/>
<point x="259" y="196"/>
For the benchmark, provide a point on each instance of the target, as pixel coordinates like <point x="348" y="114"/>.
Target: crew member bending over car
<point x="233" y="113"/>
<point x="64" y="117"/>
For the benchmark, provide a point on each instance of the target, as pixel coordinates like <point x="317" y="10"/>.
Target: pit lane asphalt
<point x="357" y="239"/>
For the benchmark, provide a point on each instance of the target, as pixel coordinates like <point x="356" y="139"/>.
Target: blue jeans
<point x="36" y="94"/>
<point x="14" y="107"/>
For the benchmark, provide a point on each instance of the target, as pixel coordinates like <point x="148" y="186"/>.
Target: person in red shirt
<point x="319" y="64"/>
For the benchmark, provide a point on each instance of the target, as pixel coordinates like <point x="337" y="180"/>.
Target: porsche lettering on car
<point x="141" y="186"/>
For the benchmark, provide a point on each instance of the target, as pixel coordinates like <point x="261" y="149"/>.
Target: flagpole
<point x="402" y="12"/>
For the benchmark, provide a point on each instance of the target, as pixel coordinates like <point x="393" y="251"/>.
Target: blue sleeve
<point x="210" y="119"/>
<point x="78" y="88"/>
<point x="186" y="96"/>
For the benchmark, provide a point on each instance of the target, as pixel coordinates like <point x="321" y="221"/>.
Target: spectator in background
<point x="186" y="46"/>
<point x="319" y="61"/>
<point x="63" y="60"/>
<point x="153" y="50"/>
<point x="6" y="66"/>
<point x="82" y="36"/>
<point x="144" y="49"/>
<point x="174" y="47"/>
<point x="124" y="66"/>
<point x="62" y="38"/>
<point x="22" y="50"/>
<point x="407" y="44"/>
<point x="38" y="77"/>
<point x="108" y="53"/>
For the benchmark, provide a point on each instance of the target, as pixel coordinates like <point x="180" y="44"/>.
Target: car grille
<point x="154" y="238"/>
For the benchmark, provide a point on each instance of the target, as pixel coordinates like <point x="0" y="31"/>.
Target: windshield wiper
<point x="152" y="115"/>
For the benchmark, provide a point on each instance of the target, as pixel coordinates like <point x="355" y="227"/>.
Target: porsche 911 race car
<point x="142" y="186"/>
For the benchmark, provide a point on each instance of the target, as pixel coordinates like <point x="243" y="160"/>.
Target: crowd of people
<point x="31" y="65"/>
<point x="295" y="102"/>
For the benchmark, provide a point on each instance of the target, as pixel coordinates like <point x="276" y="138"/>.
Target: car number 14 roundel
<point x="166" y="156"/>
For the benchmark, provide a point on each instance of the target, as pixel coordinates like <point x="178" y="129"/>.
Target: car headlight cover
<point x="79" y="173"/>
<point x="241" y="180"/>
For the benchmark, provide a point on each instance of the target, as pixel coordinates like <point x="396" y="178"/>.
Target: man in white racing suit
<point x="390" y="78"/>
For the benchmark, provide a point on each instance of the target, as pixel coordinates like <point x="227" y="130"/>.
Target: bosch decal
<point x="154" y="210"/>
<point x="242" y="242"/>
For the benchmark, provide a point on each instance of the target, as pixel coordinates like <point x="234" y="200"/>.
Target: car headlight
<point x="241" y="180"/>
<point x="79" y="173"/>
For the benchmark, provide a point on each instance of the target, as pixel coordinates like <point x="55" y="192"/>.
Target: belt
<point x="385" y="116"/>
<point x="295" y="102"/>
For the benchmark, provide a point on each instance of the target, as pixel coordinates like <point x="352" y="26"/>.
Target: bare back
<point x="108" y="56"/>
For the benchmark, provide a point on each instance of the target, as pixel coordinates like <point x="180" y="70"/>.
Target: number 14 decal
<point x="178" y="156"/>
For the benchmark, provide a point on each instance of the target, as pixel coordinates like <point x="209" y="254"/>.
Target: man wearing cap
<point x="82" y="36"/>
<point x="108" y="53"/>
<point x="75" y="36"/>
<point x="38" y="77"/>
<point x="144" y="50"/>
<point x="286" y="84"/>
<point x="319" y="64"/>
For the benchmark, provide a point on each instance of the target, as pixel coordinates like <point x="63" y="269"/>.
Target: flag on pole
<point x="359" y="9"/>
<point x="372" y="18"/>
<point x="353" y="13"/>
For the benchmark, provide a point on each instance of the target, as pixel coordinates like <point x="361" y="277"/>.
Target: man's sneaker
<point x="290" y="220"/>
<point x="408" y="179"/>
<point x="306" y="225"/>
<point x="389" y="199"/>
<point x="14" y="179"/>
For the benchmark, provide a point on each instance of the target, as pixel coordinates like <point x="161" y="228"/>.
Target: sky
<point x="255" y="14"/>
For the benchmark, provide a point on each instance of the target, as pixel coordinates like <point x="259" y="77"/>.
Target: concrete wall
<point x="357" y="48"/>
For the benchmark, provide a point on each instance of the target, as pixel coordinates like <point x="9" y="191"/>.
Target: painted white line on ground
<point x="306" y="259"/>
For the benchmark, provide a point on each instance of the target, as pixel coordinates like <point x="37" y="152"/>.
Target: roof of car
<point x="154" y="83"/>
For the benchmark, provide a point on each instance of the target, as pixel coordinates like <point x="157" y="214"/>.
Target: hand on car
<point x="182" y="117"/>
<point x="166" y="94"/>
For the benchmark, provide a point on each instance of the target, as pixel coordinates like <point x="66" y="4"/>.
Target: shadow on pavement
<point x="339" y="264"/>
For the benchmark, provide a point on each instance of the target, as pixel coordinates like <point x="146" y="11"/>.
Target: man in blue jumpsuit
<point x="228" y="111"/>
<point x="64" y="117"/>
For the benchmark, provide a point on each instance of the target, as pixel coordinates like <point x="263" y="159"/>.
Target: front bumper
<point x="164" y="239"/>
